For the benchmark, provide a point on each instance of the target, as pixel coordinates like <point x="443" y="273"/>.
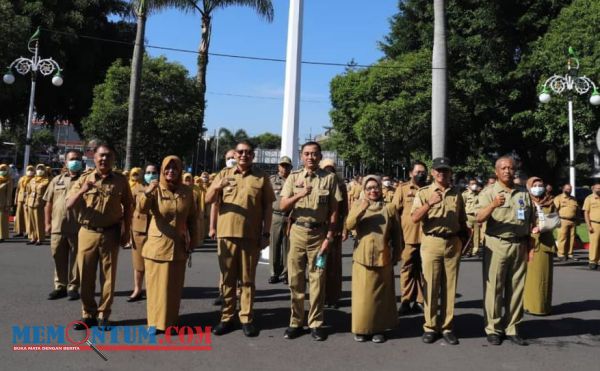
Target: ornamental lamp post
<point x="572" y="83"/>
<point x="34" y="65"/>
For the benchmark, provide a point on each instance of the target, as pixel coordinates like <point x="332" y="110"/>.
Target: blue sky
<point x="334" y="31"/>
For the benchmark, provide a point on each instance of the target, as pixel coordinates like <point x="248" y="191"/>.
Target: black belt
<point x="100" y="229"/>
<point x="276" y="212"/>
<point x="594" y="221"/>
<point x="309" y="225"/>
<point x="441" y="235"/>
<point x="509" y="239"/>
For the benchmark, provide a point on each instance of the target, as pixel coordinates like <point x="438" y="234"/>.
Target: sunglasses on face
<point x="241" y="152"/>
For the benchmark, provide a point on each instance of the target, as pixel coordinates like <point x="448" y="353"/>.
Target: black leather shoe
<point x="249" y="330"/>
<point x="360" y="338"/>
<point x="218" y="300"/>
<point x="429" y="337"/>
<point x="284" y="280"/>
<point x="378" y="338"/>
<point x="494" y="339"/>
<point x="223" y="328"/>
<point x="133" y="299"/>
<point x="418" y="308"/>
<point x="30" y="243"/>
<point x="273" y="279"/>
<point x="318" y="334"/>
<point x="73" y="295"/>
<point x="57" y="294"/>
<point x="593" y="266"/>
<point x="450" y="338"/>
<point x="404" y="309"/>
<point x="89" y="323"/>
<point x="104" y="324"/>
<point x="292" y="332"/>
<point x="516" y="339"/>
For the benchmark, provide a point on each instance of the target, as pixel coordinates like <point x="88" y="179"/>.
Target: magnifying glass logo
<point x="86" y="338"/>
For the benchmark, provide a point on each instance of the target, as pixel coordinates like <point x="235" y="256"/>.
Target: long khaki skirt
<point x="537" y="298"/>
<point x="164" y="285"/>
<point x="373" y="299"/>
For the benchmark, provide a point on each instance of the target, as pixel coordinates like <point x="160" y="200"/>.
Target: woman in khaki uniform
<point x="139" y="227"/>
<point x="188" y="180"/>
<point x="378" y="241"/>
<point x="35" y="193"/>
<point x="171" y="235"/>
<point x="6" y="186"/>
<point x="22" y="211"/>
<point x="537" y="298"/>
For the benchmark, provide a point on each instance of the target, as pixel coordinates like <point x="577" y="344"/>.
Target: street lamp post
<point x="34" y="65"/>
<point x="572" y="83"/>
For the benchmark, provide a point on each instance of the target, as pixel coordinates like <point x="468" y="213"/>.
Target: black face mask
<point x="420" y="178"/>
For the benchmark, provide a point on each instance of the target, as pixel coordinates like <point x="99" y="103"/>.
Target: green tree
<point x="167" y="121"/>
<point x="267" y="141"/>
<point x="206" y="9"/>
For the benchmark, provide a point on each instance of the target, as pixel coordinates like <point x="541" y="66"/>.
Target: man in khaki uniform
<point x="387" y="188"/>
<point x="245" y="199"/>
<point x="441" y="210"/>
<point x="411" y="273"/>
<point x="470" y="197"/>
<point x="506" y="209"/>
<point x="312" y="194"/>
<point x="278" y="246"/>
<point x="591" y="212"/>
<point x="105" y="213"/>
<point x="62" y="226"/>
<point x="567" y="208"/>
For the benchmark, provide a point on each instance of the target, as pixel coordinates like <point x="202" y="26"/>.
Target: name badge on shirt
<point x="521" y="214"/>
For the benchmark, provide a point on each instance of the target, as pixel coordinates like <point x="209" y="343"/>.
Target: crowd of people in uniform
<point x="426" y="223"/>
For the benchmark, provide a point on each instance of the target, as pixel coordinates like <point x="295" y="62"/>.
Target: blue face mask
<point x="74" y="165"/>
<point x="150" y="177"/>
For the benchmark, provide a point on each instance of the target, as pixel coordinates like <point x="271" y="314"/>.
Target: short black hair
<point x="75" y="151"/>
<point x="417" y="162"/>
<point x="311" y="143"/>
<point x="107" y="146"/>
<point x="150" y="164"/>
<point x="246" y="142"/>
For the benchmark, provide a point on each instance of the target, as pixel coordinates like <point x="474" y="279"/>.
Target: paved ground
<point x="567" y="340"/>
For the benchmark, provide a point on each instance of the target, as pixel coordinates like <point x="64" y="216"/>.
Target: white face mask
<point x="230" y="163"/>
<point x="538" y="191"/>
<point x="40" y="172"/>
<point x="30" y="173"/>
<point x="386" y="183"/>
<point x="473" y="187"/>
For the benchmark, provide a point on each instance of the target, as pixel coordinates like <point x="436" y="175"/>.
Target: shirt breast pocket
<point x="229" y="193"/>
<point x="323" y="197"/>
<point x="91" y="197"/>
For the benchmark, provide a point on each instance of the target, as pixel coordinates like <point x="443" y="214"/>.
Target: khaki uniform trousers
<point x="64" y="253"/>
<point x="238" y="258"/>
<point x="333" y="270"/>
<point x="566" y="238"/>
<point x="164" y="287"/>
<point x="4" y="228"/>
<point x="97" y="247"/>
<point x="594" y="243"/>
<point x="304" y="247"/>
<point x="411" y="274"/>
<point x="20" y="225"/>
<point x="504" y="268"/>
<point x="138" y="240"/>
<point x="37" y="224"/>
<point x="476" y="239"/>
<point x="441" y="260"/>
<point x="278" y="246"/>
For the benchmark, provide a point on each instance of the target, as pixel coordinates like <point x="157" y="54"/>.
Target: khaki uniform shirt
<point x="592" y="205"/>
<point x="277" y="182"/>
<point x="102" y="205"/>
<point x="22" y="189"/>
<point x="315" y="207"/>
<point x="6" y="196"/>
<point x="377" y="233"/>
<point x="388" y="194"/>
<point x="36" y="191"/>
<point x="63" y="220"/>
<point x="403" y="201"/>
<point x="446" y="217"/>
<point x="173" y="223"/>
<point x="470" y="199"/>
<point x="242" y="202"/>
<point x="567" y="206"/>
<point x="139" y="222"/>
<point x="504" y="221"/>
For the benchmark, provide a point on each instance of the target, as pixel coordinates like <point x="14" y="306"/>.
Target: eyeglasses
<point x="151" y="172"/>
<point x="241" y="152"/>
<point x="372" y="188"/>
